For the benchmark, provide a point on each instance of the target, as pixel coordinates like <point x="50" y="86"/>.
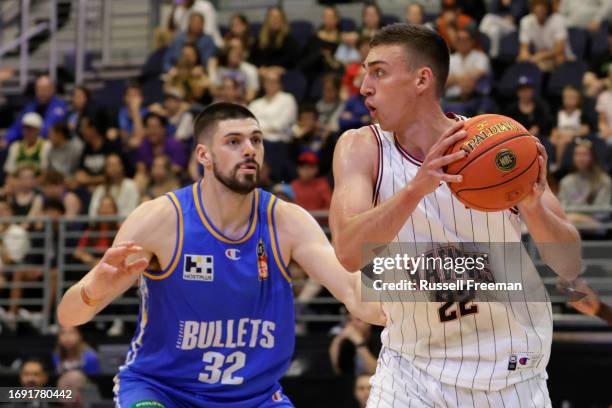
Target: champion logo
<point x="232" y="253"/>
<point x="523" y="360"/>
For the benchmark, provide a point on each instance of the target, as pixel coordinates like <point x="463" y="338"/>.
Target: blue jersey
<point x="218" y="322"/>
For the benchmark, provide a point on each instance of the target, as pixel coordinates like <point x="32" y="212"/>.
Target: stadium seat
<point x="295" y="83"/>
<point x="301" y="30"/>
<point x="110" y="96"/>
<point x="254" y="27"/>
<point x="389" y="19"/>
<point x="599" y="42"/>
<point x="568" y="73"/>
<point x="484" y="42"/>
<point x="347" y="24"/>
<point x="509" y="47"/>
<point x="223" y="29"/>
<point x="509" y="80"/>
<point x="316" y="89"/>
<point x="578" y="39"/>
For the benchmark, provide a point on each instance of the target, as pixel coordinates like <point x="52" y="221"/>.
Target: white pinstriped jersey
<point x="473" y="350"/>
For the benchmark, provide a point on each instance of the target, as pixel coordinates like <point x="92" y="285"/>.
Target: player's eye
<point x="234" y="141"/>
<point x="378" y="73"/>
<point x="256" y="140"/>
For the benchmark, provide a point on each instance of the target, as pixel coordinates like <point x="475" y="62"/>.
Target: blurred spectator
<point x="91" y="168"/>
<point x="361" y="392"/>
<point x="354" y="348"/>
<point x="451" y="20"/>
<point x="75" y="381"/>
<point x="276" y="112"/>
<point x="311" y="192"/>
<point x="157" y="143"/>
<point x="308" y="134"/>
<point x="31" y="149"/>
<point x="546" y="32"/>
<point x="353" y="73"/>
<point x="529" y="110"/>
<point x="473" y="8"/>
<point x="65" y="152"/>
<point x="72" y="353"/>
<point x="586" y="186"/>
<point x="283" y="191"/>
<point x="48" y="105"/>
<point x="116" y="184"/>
<point x="265" y="181"/>
<point x="355" y="113"/>
<point x="571" y="120"/>
<point x="591" y="304"/>
<point x="585" y="14"/>
<point x="604" y="110"/>
<point x="348" y="49"/>
<point x="130" y="115"/>
<point x="232" y="90"/>
<point x="181" y="13"/>
<point x="98" y="237"/>
<point x="330" y="105"/>
<point x="178" y="114"/>
<point x="502" y="20"/>
<point x="318" y="54"/>
<point x="602" y="63"/>
<point x="468" y="65"/>
<point x="193" y="36"/>
<point x="371" y="20"/>
<point x="162" y="179"/>
<point x="32" y="374"/>
<point x="414" y="14"/>
<point x="275" y="46"/>
<point x="239" y="29"/>
<point x="232" y="62"/>
<point x="54" y="188"/>
<point x="25" y="199"/>
<point x="188" y="76"/>
<point x="14" y="241"/>
<point x="81" y="99"/>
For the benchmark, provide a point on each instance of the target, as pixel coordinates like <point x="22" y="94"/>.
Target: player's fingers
<point x="117" y="255"/>
<point x="105" y="268"/>
<point x="542" y="175"/>
<point x="137" y="266"/>
<point x="457" y="126"/>
<point x="449" y="158"/>
<point x="124" y="244"/>
<point x="451" y="178"/>
<point x="446" y="143"/>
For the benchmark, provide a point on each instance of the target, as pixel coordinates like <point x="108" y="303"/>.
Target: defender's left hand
<point x="533" y="199"/>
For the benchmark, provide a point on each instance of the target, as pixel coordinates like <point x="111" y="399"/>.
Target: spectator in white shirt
<point x="546" y="32"/>
<point x="586" y="14"/>
<point x="467" y="66"/>
<point x="604" y="110"/>
<point x="122" y="189"/>
<point x="181" y="14"/>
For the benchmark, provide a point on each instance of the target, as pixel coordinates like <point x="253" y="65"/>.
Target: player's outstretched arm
<point x="308" y="246"/>
<point x="354" y="220"/>
<point x="122" y="264"/>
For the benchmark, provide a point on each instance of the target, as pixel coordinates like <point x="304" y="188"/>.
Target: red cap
<point x="308" y="158"/>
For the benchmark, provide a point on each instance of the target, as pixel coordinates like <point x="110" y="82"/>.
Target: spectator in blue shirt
<point x="130" y="115"/>
<point x="72" y="353"/>
<point x="194" y="35"/>
<point x="47" y="104"/>
<point x="355" y="114"/>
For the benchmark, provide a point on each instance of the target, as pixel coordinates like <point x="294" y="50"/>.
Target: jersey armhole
<point x="379" y="168"/>
<point x="178" y="245"/>
<point x="278" y="258"/>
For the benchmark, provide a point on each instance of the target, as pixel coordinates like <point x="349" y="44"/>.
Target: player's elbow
<point x="348" y="259"/>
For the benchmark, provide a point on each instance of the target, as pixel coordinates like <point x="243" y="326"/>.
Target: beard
<point x="238" y="184"/>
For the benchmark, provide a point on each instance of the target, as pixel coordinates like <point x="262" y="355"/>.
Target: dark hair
<point x="61" y="128"/>
<point x="424" y="47"/>
<point x="215" y="113"/>
<point x="53" y="178"/>
<point x="134" y="84"/>
<point x="54" y="204"/>
<point x="308" y="108"/>
<point x="162" y="120"/>
<point x="546" y="3"/>
<point x="98" y="120"/>
<point x="35" y="360"/>
<point x="332" y="78"/>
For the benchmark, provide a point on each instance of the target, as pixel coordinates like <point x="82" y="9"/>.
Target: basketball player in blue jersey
<point x="216" y="325"/>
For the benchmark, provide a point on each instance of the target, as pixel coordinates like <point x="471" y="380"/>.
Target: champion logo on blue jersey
<point x="199" y="267"/>
<point x="232" y="253"/>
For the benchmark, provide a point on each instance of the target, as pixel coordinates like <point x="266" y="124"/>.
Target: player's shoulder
<point x="154" y="216"/>
<point x="357" y="146"/>
<point x="363" y="137"/>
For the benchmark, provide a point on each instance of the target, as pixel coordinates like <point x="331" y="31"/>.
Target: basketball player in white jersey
<point x="391" y="187"/>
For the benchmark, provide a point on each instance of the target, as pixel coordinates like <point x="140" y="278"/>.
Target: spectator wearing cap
<point x="194" y="36"/>
<point x="311" y="192"/>
<point x="177" y="112"/>
<point x="47" y="105"/>
<point x="65" y="151"/>
<point x="546" y="32"/>
<point x="32" y="149"/>
<point x="451" y="20"/>
<point x="530" y="110"/>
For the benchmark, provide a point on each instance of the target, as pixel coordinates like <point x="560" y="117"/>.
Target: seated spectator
<point x="25" y="199"/>
<point x="468" y="65"/>
<point x="177" y="112"/>
<point x="276" y="112"/>
<point x="546" y="32"/>
<point x="123" y="190"/>
<point x="65" y="152"/>
<point x="81" y="101"/>
<point x="451" y="20"/>
<point x="371" y="20"/>
<point x="193" y="36"/>
<point x="330" y="105"/>
<point x="31" y="150"/>
<point x="181" y="12"/>
<point x="311" y="192"/>
<point x="354" y="348"/>
<point x="586" y="186"/>
<point x="347" y="52"/>
<point x="414" y="14"/>
<point x="14" y="241"/>
<point x="157" y="143"/>
<point x="473" y="8"/>
<point x="91" y="168"/>
<point x="355" y="113"/>
<point x="73" y="381"/>
<point x="54" y="188"/>
<point x="98" y="237"/>
<point x="604" y="110"/>
<point x="188" y="76"/>
<point x="48" y="105"/>
<point x="232" y="90"/>
<point x="571" y="121"/>
<point x="162" y="179"/>
<point x="353" y="75"/>
<point x="275" y="46"/>
<point x="361" y="391"/>
<point x="72" y="353"/>
<point x="308" y="134"/>
<point x="318" y="54"/>
<point x="502" y="20"/>
<point x="239" y="29"/>
<point x="33" y="374"/>
<point x="585" y="14"/>
<point x="232" y="62"/>
<point x="529" y="110"/>
<point x="130" y="115"/>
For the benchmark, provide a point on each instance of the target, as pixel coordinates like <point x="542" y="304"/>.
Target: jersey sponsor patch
<point x="522" y="360"/>
<point x="148" y="404"/>
<point x="198" y="267"/>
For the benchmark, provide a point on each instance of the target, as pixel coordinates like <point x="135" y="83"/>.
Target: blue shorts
<point x="147" y="393"/>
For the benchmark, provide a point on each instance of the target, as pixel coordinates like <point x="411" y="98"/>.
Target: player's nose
<point x="366" y="89"/>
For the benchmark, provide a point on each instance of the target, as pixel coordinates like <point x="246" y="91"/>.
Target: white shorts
<point x="398" y="384"/>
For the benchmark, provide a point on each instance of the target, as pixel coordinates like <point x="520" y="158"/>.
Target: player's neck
<point x="230" y="212"/>
<point x="418" y="136"/>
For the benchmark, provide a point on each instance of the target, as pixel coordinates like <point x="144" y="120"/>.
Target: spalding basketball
<point x="501" y="165"/>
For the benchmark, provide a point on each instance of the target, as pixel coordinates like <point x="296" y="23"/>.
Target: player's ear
<point x="423" y="79"/>
<point x="203" y="154"/>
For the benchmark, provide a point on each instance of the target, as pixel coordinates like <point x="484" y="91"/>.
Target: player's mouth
<point x="371" y="108"/>
<point x="248" y="167"/>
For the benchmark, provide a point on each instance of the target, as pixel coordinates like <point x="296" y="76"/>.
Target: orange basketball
<point x="501" y="166"/>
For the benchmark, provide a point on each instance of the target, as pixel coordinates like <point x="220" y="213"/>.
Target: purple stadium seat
<point x="509" y="47"/>
<point x="568" y="73"/>
<point x="301" y="30"/>
<point x="578" y="39"/>
<point x="389" y="19"/>
<point x="347" y="24"/>
<point x="295" y="83"/>
<point x="509" y="80"/>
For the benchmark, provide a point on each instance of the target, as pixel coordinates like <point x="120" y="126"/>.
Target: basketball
<point x="501" y="165"/>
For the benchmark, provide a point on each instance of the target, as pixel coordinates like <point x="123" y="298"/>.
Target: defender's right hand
<point x="113" y="269"/>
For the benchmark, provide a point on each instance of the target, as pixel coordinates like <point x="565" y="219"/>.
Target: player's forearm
<point x="72" y="310"/>
<point x="380" y="224"/>
<point x="557" y="240"/>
